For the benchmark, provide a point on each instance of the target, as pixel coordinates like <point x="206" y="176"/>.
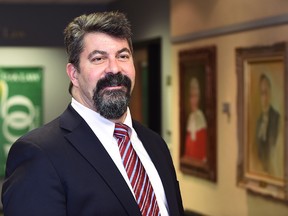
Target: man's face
<point x="265" y="95"/>
<point x="107" y="74"/>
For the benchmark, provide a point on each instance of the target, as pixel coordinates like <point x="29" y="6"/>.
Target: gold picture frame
<point x="262" y="120"/>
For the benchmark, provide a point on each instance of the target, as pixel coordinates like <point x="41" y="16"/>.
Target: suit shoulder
<point x="44" y="135"/>
<point x="43" y="130"/>
<point x="274" y="115"/>
<point x="146" y="135"/>
<point x="274" y="112"/>
<point x="145" y="130"/>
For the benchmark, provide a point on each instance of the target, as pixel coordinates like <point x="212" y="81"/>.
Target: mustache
<point x="112" y="80"/>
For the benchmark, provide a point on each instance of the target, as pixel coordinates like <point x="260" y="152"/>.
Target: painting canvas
<point x="262" y="161"/>
<point x="198" y="112"/>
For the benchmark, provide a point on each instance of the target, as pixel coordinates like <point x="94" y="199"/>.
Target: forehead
<point x="103" y="42"/>
<point x="264" y="83"/>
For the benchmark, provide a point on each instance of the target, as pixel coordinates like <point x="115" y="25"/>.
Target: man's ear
<point x="72" y="73"/>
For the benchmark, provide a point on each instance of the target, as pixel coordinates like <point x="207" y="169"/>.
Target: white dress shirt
<point x="104" y="130"/>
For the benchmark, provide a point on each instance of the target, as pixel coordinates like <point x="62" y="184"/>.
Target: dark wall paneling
<point x="38" y="24"/>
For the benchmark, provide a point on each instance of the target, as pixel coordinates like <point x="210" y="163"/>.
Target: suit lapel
<point x="88" y="145"/>
<point x="157" y="156"/>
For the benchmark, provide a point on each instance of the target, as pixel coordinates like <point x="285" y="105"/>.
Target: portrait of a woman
<point x="196" y="130"/>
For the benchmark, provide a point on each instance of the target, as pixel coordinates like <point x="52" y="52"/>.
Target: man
<point x="93" y="159"/>
<point x="267" y="125"/>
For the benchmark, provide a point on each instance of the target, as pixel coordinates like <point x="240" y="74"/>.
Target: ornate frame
<point x="257" y="173"/>
<point x="199" y="63"/>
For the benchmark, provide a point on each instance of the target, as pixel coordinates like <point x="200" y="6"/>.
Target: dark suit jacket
<point x="63" y="169"/>
<point x="271" y="136"/>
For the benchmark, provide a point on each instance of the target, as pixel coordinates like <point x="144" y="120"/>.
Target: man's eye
<point x="97" y="60"/>
<point x="124" y="57"/>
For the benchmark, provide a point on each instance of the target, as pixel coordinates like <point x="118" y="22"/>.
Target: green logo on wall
<point x="21" y="107"/>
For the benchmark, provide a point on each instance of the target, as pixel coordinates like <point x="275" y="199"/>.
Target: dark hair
<point x="112" y="23"/>
<point x="264" y="77"/>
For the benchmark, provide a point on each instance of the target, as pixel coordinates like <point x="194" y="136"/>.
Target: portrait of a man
<point x="267" y="125"/>
<point x="261" y="117"/>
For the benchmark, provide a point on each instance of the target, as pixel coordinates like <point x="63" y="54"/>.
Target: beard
<point x="112" y="104"/>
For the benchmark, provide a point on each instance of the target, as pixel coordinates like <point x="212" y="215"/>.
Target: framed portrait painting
<point x="262" y="124"/>
<point x="198" y="112"/>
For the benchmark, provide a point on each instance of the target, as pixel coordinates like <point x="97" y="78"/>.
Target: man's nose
<point x="112" y="66"/>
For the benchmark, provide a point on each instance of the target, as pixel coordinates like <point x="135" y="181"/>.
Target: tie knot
<point x="121" y="130"/>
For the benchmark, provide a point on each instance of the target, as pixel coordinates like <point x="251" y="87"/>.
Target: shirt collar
<point x="94" y="119"/>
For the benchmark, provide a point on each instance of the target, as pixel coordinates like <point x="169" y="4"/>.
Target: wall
<point x="191" y="17"/>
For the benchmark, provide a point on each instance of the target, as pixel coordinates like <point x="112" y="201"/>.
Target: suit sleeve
<point x="176" y="182"/>
<point x="32" y="186"/>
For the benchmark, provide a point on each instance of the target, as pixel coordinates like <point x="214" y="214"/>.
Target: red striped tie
<point x="138" y="177"/>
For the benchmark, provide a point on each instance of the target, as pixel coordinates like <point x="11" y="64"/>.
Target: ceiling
<point x="58" y="1"/>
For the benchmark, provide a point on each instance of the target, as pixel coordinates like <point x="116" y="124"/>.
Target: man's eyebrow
<point x="124" y="50"/>
<point x="105" y="53"/>
<point x="96" y="52"/>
